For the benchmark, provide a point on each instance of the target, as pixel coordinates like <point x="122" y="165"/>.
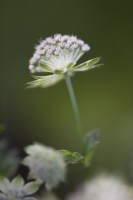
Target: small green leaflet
<point x="91" y="140"/>
<point x="71" y="157"/>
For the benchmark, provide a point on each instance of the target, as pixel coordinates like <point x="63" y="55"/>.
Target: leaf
<point x="31" y="188"/>
<point x="44" y="81"/>
<point x="90" y="64"/>
<point x="4" y="184"/>
<point x="2" y="128"/>
<point x="71" y="157"/>
<point x="91" y="140"/>
<point x="9" y="159"/>
<point x="17" y="183"/>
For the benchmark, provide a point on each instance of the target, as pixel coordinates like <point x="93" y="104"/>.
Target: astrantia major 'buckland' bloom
<point x="16" y="190"/>
<point x="45" y="164"/>
<point x="103" y="188"/>
<point x="57" y="55"/>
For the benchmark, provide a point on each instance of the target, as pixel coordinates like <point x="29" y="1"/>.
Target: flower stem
<point x="75" y="107"/>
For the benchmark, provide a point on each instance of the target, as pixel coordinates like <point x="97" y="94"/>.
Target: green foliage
<point x="9" y="159"/>
<point x="71" y="157"/>
<point x="91" y="141"/>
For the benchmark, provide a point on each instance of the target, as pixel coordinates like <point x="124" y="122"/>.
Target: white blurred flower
<point x="16" y="190"/>
<point x="57" y="55"/>
<point x="103" y="188"/>
<point x="45" y="164"/>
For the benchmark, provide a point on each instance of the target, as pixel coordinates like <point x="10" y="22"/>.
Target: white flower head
<point x="103" y="188"/>
<point x="57" y="55"/>
<point x="16" y="190"/>
<point x="45" y="164"/>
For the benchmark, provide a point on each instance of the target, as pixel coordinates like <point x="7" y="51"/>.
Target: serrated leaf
<point x="91" y="140"/>
<point x="90" y="64"/>
<point x="44" y="81"/>
<point x="71" y="157"/>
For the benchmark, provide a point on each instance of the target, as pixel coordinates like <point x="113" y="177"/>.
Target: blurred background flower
<point x="103" y="187"/>
<point x="45" y="164"/>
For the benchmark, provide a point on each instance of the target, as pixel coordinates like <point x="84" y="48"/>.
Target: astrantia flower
<point x="45" y="164"/>
<point x="16" y="190"/>
<point x="57" y="55"/>
<point x="103" y="188"/>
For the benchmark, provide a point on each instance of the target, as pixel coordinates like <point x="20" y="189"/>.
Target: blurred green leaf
<point x="91" y="141"/>
<point x="2" y="128"/>
<point x="9" y="159"/>
<point x="71" y="157"/>
<point x="31" y="187"/>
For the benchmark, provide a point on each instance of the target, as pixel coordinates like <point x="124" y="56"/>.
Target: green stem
<point x="74" y="106"/>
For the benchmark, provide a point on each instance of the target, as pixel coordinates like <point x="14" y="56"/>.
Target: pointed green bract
<point x="90" y="64"/>
<point x="88" y="68"/>
<point x="31" y="188"/>
<point x="46" y="68"/>
<point x="4" y="184"/>
<point x="44" y="81"/>
<point x="17" y="183"/>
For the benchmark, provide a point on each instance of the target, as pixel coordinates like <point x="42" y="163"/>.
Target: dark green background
<point x="104" y="95"/>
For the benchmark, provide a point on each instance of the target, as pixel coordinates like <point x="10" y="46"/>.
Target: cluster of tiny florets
<point x="45" y="164"/>
<point x="62" y="47"/>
